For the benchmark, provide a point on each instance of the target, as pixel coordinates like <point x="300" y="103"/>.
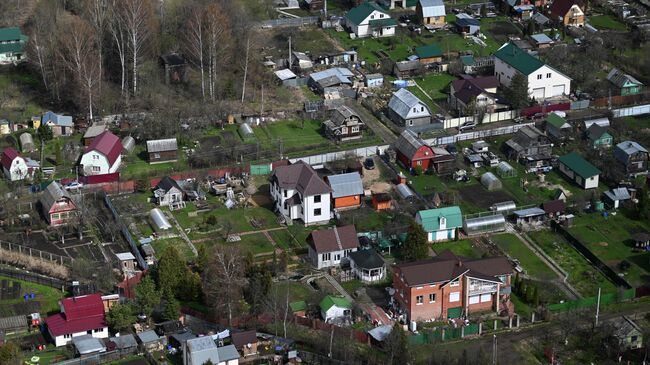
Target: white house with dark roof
<point x="169" y="194"/>
<point x="299" y="193"/>
<point x="331" y="246"/>
<point x="405" y="109"/>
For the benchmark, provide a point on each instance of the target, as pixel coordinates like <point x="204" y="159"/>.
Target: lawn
<point x="51" y="355"/>
<point x="435" y="85"/>
<point x="397" y="48"/>
<point x="297" y="291"/>
<point x="582" y="275"/>
<point x="136" y="164"/>
<point x="160" y="245"/>
<point x="256" y="243"/>
<point x="284" y="239"/>
<point x="238" y="219"/>
<point x="461" y="247"/>
<point x="610" y="239"/>
<point x="606" y="22"/>
<point x="47" y="297"/>
<point x="293" y="134"/>
<point x="532" y="265"/>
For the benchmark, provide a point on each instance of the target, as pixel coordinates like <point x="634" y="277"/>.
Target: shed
<point x="123" y="343"/>
<point x="405" y="192"/>
<point x="628" y="333"/>
<point x="128" y="144"/>
<point x="490" y="181"/>
<point x="484" y="224"/>
<point x="541" y="40"/>
<point x="581" y="171"/>
<point x="554" y="208"/>
<point x="381" y="201"/>
<point x="298" y="308"/>
<point x="529" y="215"/>
<point x="150" y="341"/>
<point x="88" y="345"/>
<point x="27" y="142"/>
<point x="615" y="197"/>
<point x="380" y="333"/>
<point x="159" y="219"/>
<point x="504" y="169"/>
<point x="285" y="74"/>
<point x="162" y="150"/>
<point x="641" y="240"/>
<point x="347" y="189"/>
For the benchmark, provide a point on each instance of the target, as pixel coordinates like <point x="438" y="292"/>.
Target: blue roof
<point x="346" y="184"/>
<point x="541" y="38"/>
<point x="57" y="119"/>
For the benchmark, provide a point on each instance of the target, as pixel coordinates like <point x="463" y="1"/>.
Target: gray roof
<point x="624" y="150"/>
<point x="346" y="184"/>
<point x="432" y="8"/>
<point x="367" y="259"/>
<point x="285" y="74"/>
<point x="342" y="113"/>
<point x="380" y="333"/>
<point x="408" y="143"/>
<point x="618" y="194"/>
<point x="403" y="101"/>
<point x="341" y="74"/>
<point x="540" y="19"/>
<point x="625" y="327"/>
<point x="94" y="130"/>
<point x="148" y="336"/>
<point x="530" y="212"/>
<point x="147" y="249"/>
<point x="302" y="177"/>
<point x="124" y="341"/>
<point x="201" y="349"/>
<point x="603" y="122"/>
<point x="541" y="38"/>
<point x="618" y="78"/>
<point x="124" y="256"/>
<point x="52" y="194"/>
<point x="87" y="344"/>
<point x="160" y="145"/>
<point x="227" y="353"/>
<point x="14" y="322"/>
<point x="183" y="336"/>
<point x="524" y="137"/>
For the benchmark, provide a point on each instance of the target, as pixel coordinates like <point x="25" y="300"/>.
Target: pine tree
<point x="146" y="296"/>
<point x="120" y="317"/>
<point x="415" y="247"/>
<point x="535" y="296"/>
<point x="172" y="308"/>
<point x="517" y="92"/>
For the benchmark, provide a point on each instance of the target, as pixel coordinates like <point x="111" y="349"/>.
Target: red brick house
<point x="57" y="205"/>
<point x="450" y="286"/>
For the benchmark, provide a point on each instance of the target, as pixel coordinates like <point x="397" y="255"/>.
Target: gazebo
<point x="641" y="240"/>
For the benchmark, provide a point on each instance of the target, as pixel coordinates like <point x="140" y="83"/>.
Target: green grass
<point x="352" y="285"/>
<point x="297" y="291"/>
<point x="51" y="355"/>
<point x="136" y="164"/>
<point x="47" y="297"/>
<point x="159" y="246"/>
<point x="521" y="307"/>
<point x="532" y="265"/>
<point x="606" y="22"/>
<point x="582" y="275"/>
<point x="435" y="85"/>
<point x="292" y="133"/>
<point x="397" y="48"/>
<point x="460" y="247"/>
<point x="256" y="243"/>
<point x="237" y="218"/>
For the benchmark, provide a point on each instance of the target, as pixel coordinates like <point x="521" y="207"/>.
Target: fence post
<point x="495" y="324"/>
<point x="443" y="334"/>
<point x="517" y="321"/>
<point x="532" y="318"/>
<point x="510" y="322"/>
<point x="462" y="332"/>
<point x="480" y="328"/>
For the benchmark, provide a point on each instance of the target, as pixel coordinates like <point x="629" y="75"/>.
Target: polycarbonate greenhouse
<point x="159" y="220"/>
<point x="490" y="181"/>
<point x="502" y="207"/>
<point x="485" y="224"/>
<point x="128" y="143"/>
<point x="504" y="169"/>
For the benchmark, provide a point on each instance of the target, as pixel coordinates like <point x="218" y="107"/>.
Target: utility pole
<point x="494" y="350"/>
<point x="280" y="144"/>
<point x="597" y="307"/>
<point x="331" y="339"/>
<point x="290" y="53"/>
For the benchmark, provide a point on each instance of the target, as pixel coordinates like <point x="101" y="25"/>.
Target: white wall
<point x="363" y="29"/>
<point x="94" y="158"/>
<point x="418" y="111"/>
<point x="17" y="171"/>
<point x="61" y="341"/>
<point x="505" y="73"/>
<point x="333" y="312"/>
<point x="335" y="257"/>
<point x="442" y="235"/>
<point x="309" y="206"/>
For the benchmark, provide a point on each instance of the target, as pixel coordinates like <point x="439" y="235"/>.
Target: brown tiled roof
<point x="448" y="266"/>
<point x="302" y="177"/>
<point x="553" y="206"/>
<point x="334" y="239"/>
<point x="240" y="339"/>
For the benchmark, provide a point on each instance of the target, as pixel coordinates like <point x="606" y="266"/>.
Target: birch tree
<point x="97" y="12"/>
<point x="224" y="280"/>
<point x="194" y="42"/>
<point x="136" y="17"/>
<point x="218" y="38"/>
<point x="118" y="34"/>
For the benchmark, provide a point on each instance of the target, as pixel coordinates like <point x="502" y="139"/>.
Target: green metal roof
<point x="579" y="165"/>
<point x="468" y="60"/>
<point x="428" y="51"/>
<point x="411" y="3"/>
<point x="386" y="22"/>
<point x="12" y="48"/>
<point x="556" y="120"/>
<point x="11" y="34"/>
<point x="519" y="59"/>
<point x="330" y="301"/>
<point x="361" y="12"/>
<point x="298" y="306"/>
<point x="431" y="218"/>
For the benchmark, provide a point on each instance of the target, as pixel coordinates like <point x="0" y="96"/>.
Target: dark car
<point x="369" y="163"/>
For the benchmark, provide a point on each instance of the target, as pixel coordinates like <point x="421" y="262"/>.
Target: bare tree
<point x="136" y="17"/>
<point x="117" y="31"/>
<point x="194" y="43"/>
<point x="218" y="39"/>
<point x="224" y="280"/>
<point x="97" y="12"/>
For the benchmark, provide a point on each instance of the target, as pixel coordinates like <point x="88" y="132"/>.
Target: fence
<point x="38" y="279"/>
<point x="125" y="232"/>
<point x="526" y="112"/>
<point x="589" y="302"/>
<point x="631" y="111"/>
<point x="260" y="169"/>
<point x="288" y="22"/>
<point x="487" y="118"/>
<point x="340" y="155"/>
<point x="35" y="253"/>
<point x="317" y="324"/>
<point x="99" y="358"/>
<point x="297" y="82"/>
<point x="476" y="134"/>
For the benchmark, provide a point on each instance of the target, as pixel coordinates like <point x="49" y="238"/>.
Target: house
<point x="367" y="266"/>
<point x="347" y="190"/>
<point x="541" y="40"/>
<point x="429" y="54"/>
<point x="331" y="246"/>
<point x="199" y="350"/>
<point x="568" y="12"/>
<point x="369" y="19"/>
<point x="127" y="261"/>
<point x="529" y="215"/>
<point x="169" y="194"/>
<point x="632" y="157"/>
<point x="374" y="80"/>
<point x="450" y="286"/>
<point x="339" y="58"/>
<point x="628" y="333"/>
<point x="641" y="240"/>
<point x="150" y="341"/>
<point x="299" y="193"/>
<point x="431" y="13"/>
<point x="286" y="77"/>
<point x="12" y="45"/>
<point x="479" y="90"/>
<point x="14" y="166"/>
<point x="381" y="201"/>
<point x="103" y="156"/>
<point x="298" y="308"/>
<point x="581" y="171"/>
<point x="344" y="125"/>
<point x="406" y="69"/>
<point x="529" y="146"/>
<point x="404" y="4"/>
<point x="466" y="25"/>
<point x="541" y="21"/>
<point x="625" y="84"/>
<point x="162" y="150"/>
<point x="406" y="110"/>
<point x="554" y="208"/>
<point x="557" y="127"/>
<point x="333" y="77"/>
<point x="61" y="125"/>
<point x="301" y="61"/>
<point x="412" y="151"/>
<point x="335" y="309"/>
<point x="92" y="132"/>
<point x="524" y="12"/>
<point x="175" y="67"/>
<point x="57" y="205"/>
<point x="616" y="197"/>
<point x="81" y="315"/>
<point x="245" y="342"/>
<point x="87" y="345"/>
<point x="544" y="82"/>
<point x="440" y="224"/>
<point x="599" y="137"/>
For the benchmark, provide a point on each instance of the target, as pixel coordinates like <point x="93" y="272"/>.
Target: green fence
<point x="260" y="169"/>
<point x="472" y="329"/>
<point x="589" y="302"/>
<point x="452" y="333"/>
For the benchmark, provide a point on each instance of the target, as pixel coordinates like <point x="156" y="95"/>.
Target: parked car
<point x="369" y="163"/>
<point x="519" y="120"/>
<point x="73" y="185"/>
<point x="466" y="126"/>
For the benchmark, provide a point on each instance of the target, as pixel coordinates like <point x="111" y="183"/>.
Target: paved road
<point x="373" y="123"/>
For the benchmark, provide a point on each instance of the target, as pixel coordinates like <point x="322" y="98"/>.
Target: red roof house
<point x="13" y="165"/>
<point x="412" y="152"/>
<point x="83" y="315"/>
<point x="103" y="156"/>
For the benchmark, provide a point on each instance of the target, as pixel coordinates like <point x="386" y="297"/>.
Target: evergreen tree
<point x="172" y="308"/>
<point x="202" y="257"/>
<point x="415" y="247"/>
<point x="517" y="92"/>
<point x="535" y="296"/>
<point x="171" y="270"/>
<point x="483" y="11"/>
<point x="45" y="132"/>
<point x="642" y="206"/>
<point x="120" y="317"/>
<point x="146" y="296"/>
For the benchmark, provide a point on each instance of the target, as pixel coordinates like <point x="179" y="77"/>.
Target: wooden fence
<point x="35" y="253"/>
<point x="38" y="279"/>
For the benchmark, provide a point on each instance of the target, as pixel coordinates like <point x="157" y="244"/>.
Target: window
<point x="415" y="109"/>
<point x="419" y="163"/>
<point x="381" y="16"/>
<point x="539" y="77"/>
<point x="97" y="330"/>
<point x="326" y="256"/>
<point x="90" y="332"/>
<point x="97" y="169"/>
<point x="317" y="211"/>
<point x="486" y="298"/>
<point x="337" y="257"/>
<point x="317" y="199"/>
<point x="432" y="298"/>
<point x="284" y="193"/>
<point x="95" y="157"/>
<point x="410" y="122"/>
<point x="454" y="297"/>
<point x="503" y="278"/>
<point x="474" y="299"/>
<point x="372" y="17"/>
<point x="55" y="216"/>
<point x="634" y="338"/>
<point x="67" y="335"/>
<point x="355" y="129"/>
<point x="548" y="75"/>
<point x="344" y="130"/>
<point x="421" y="109"/>
<point x="455" y="282"/>
<point x="419" y="299"/>
<point x="156" y="155"/>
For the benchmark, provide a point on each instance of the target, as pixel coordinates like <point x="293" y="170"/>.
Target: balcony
<point x="478" y="287"/>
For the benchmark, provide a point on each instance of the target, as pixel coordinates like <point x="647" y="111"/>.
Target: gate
<point x="454" y="312"/>
<point x="260" y="169"/>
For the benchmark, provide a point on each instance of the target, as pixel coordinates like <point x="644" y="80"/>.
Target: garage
<point x="558" y="90"/>
<point x="538" y="93"/>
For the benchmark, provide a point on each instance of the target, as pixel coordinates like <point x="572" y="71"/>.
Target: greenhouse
<point x="27" y="142"/>
<point x="504" y="169"/>
<point x="246" y="131"/>
<point x="128" y="143"/>
<point x="405" y="192"/>
<point x="159" y="220"/>
<point x="485" y="224"/>
<point x="502" y="207"/>
<point x="490" y="181"/>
